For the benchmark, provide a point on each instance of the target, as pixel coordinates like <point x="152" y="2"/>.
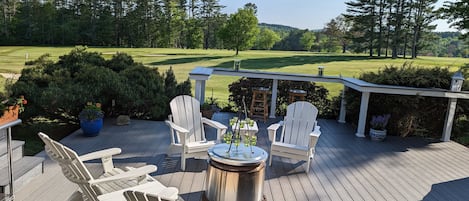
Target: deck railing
<point x="6" y="128"/>
<point x="201" y="74"/>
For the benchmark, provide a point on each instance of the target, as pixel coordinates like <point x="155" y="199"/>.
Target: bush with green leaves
<point x="410" y="115"/>
<point x="62" y="88"/>
<point x="317" y="95"/>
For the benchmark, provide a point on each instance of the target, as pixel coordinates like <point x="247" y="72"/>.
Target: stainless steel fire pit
<point x="237" y="175"/>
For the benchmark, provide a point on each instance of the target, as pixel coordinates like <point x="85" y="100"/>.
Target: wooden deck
<point x="344" y="168"/>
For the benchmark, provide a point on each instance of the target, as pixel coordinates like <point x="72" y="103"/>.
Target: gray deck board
<point x="344" y="168"/>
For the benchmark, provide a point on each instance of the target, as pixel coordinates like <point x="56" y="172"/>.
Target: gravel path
<point x="10" y="75"/>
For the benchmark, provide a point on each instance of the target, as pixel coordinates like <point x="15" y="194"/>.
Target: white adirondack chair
<point x="187" y="130"/>
<point x="299" y="134"/>
<point x="113" y="182"/>
<point x="142" y="196"/>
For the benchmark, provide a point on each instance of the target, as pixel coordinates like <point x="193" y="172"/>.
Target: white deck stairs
<point x="25" y="168"/>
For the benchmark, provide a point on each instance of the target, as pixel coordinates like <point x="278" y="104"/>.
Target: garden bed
<point x="27" y="132"/>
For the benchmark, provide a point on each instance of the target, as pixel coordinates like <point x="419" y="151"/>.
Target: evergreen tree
<point x="457" y="13"/>
<point x="212" y="20"/>
<point x="363" y="14"/>
<point x="8" y="10"/>
<point x="336" y="32"/>
<point x="422" y="16"/>
<point x="170" y="84"/>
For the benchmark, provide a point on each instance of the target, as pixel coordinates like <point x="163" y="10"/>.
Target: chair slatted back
<point x="299" y="123"/>
<point x="139" y="196"/>
<point x="186" y="113"/>
<point x="72" y="167"/>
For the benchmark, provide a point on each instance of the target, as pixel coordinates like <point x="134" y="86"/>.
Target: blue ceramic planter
<point x="91" y="128"/>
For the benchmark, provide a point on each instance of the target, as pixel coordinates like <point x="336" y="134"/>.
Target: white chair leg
<point x="308" y="165"/>
<point x="270" y="160"/>
<point x="173" y="150"/>
<point x="183" y="162"/>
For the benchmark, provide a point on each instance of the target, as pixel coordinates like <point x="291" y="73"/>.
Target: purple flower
<point x="379" y="122"/>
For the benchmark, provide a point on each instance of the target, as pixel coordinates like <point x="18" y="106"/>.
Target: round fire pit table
<point x="237" y="175"/>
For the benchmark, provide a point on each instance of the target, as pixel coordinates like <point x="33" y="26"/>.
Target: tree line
<point x="398" y="27"/>
<point x="395" y="28"/>
<point x="123" y="23"/>
<point x="389" y="28"/>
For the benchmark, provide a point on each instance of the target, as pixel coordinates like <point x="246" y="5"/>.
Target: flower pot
<point x="207" y="113"/>
<point x="91" y="128"/>
<point x="10" y="115"/>
<point x="377" y="135"/>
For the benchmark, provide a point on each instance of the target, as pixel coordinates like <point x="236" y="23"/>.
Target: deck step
<point x="16" y="146"/>
<point x="24" y="170"/>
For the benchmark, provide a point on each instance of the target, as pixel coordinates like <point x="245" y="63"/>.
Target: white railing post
<point x="456" y="85"/>
<point x="362" y="117"/>
<point x="200" y="75"/>
<point x="273" y="100"/>
<point x="200" y="90"/>
<point x="448" y="126"/>
<point x="343" y="104"/>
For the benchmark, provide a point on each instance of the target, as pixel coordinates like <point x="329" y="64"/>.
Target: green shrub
<point x="147" y="84"/>
<point x="317" y="95"/>
<point x="74" y="61"/>
<point x="43" y="58"/>
<point x="61" y="89"/>
<point x="120" y="61"/>
<point x="410" y="115"/>
<point x="170" y="83"/>
<point x="184" y="88"/>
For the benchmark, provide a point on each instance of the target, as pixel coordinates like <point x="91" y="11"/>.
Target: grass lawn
<point x="183" y="61"/>
<point x="12" y="59"/>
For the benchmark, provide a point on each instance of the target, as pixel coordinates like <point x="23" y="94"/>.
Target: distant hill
<point x="282" y="28"/>
<point x="277" y="27"/>
<point x="448" y="34"/>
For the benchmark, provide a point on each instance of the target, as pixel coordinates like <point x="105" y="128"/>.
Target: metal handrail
<point x="9" y="156"/>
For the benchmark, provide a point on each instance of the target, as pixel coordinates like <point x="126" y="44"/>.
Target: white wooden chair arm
<point x="179" y="129"/>
<point x="132" y="173"/>
<point x="214" y="124"/>
<point x="100" y="154"/>
<point x="221" y="129"/>
<point x="314" y="136"/>
<point x="273" y="130"/>
<point x="105" y="156"/>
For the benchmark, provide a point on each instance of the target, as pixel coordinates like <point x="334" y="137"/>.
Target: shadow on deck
<point x="344" y="168"/>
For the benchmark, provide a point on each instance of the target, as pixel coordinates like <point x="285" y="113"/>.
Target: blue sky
<point x="303" y="14"/>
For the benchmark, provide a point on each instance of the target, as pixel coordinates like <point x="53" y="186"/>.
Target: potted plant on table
<point x="378" y="125"/>
<point x="206" y="110"/>
<point x="237" y="125"/>
<point x="235" y="136"/>
<point x="11" y="108"/>
<point x="91" y="119"/>
<point x="209" y="107"/>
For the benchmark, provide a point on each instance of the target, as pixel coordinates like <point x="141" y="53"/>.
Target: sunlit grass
<point x="184" y="60"/>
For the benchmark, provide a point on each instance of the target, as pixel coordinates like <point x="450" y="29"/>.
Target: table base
<point x="234" y="183"/>
<point x="204" y="197"/>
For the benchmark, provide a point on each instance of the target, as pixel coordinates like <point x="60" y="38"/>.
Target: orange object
<point x="10" y="115"/>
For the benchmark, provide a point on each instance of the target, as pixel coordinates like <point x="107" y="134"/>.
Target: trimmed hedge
<point x="121" y="85"/>
<point x="410" y="115"/>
